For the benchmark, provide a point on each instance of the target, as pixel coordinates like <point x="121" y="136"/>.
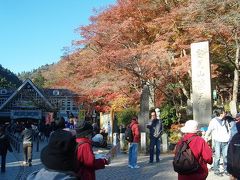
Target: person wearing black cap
<point x="86" y="162"/>
<point x="58" y="158"/>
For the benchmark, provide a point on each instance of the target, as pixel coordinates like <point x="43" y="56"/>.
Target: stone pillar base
<point x="143" y="144"/>
<point x="164" y="143"/>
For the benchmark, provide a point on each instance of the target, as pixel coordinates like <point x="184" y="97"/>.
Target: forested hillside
<point x="8" y="79"/>
<point x="36" y="75"/>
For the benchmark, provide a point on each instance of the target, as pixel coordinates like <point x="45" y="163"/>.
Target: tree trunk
<point x="185" y="92"/>
<point x="236" y="80"/>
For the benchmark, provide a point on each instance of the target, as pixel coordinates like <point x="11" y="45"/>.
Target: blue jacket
<point x="51" y="175"/>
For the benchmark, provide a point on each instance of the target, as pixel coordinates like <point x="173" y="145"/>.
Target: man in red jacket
<point x="133" y="148"/>
<point x="86" y="162"/>
<point x="200" y="149"/>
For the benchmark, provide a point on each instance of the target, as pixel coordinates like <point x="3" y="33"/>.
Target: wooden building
<point x="31" y="103"/>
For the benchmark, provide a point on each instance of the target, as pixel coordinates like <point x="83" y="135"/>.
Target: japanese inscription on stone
<point x="201" y="82"/>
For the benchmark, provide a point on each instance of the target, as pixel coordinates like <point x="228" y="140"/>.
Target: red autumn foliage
<point x="139" y="41"/>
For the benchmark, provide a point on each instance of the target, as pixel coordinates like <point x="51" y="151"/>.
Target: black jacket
<point x="4" y="144"/>
<point x="155" y="128"/>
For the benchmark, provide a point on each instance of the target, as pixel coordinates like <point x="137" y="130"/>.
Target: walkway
<point x="117" y="170"/>
<point x="14" y="168"/>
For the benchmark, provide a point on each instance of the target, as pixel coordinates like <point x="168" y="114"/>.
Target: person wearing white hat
<point x="191" y="126"/>
<point x="200" y="149"/>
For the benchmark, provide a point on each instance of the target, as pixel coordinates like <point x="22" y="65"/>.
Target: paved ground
<point x="117" y="170"/>
<point x="14" y="168"/>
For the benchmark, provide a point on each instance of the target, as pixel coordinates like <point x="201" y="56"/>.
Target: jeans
<point x="3" y="162"/>
<point x="154" y="142"/>
<point x="220" y="148"/>
<point x="27" y="152"/>
<point x="133" y="152"/>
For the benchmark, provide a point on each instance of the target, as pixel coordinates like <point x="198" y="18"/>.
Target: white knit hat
<point x="191" y="126"/>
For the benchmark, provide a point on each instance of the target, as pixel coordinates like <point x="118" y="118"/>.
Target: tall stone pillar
<point x="144" y="108"/>
<point x="201" y="83"/>
<point x="146" y="102"/>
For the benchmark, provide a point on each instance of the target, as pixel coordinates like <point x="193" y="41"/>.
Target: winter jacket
<point x="27" y="134"/>
<point x="220" y="130"/>
<point x="233" y="156"/>
<point x="135" y="130"/>
<point x="51" y="175"/>
<point x="156" y="128"/>
<point x="4" y="144"/>
<point x="203" y="154"/>
<point x="86" y="162"/>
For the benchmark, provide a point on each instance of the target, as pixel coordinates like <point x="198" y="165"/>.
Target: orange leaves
<point x="138" y="41"/>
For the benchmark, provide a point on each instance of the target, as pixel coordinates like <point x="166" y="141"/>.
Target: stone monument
<point x="144" y="108"/>
<point x="146" y="102"/>
<point x="201" y="83"/>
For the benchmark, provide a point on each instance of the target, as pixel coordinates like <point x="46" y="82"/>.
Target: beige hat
<point x="191" y="126"/>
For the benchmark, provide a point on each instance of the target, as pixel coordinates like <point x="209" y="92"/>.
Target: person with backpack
<point x="192" y="154"/>
<point x="233" y="155"/>
<point x="134" y="140"/>
<point x="86" y="164"/>
<point x="156" y="128"/>
<point x="220" y="130"/>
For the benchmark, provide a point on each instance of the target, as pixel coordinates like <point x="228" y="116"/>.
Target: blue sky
<point x="34" y="32"/>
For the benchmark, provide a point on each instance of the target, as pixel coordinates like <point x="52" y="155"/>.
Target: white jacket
<point x="218" y="129"/>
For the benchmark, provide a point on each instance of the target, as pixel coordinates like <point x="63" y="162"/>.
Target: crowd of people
<point x="69" y="154"/>
<point x="60" y="153"/>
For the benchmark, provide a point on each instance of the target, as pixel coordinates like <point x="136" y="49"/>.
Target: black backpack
<point x="184" y="161"/>
<point x="129" y="134"/>
<point x="233" y="156"/>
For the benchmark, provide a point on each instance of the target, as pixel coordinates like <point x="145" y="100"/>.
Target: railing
<point x="15" y="141"/>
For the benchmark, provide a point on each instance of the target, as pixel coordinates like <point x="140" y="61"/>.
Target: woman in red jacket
<point x="86" y="162"/>
<point x="200" y="149"/>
